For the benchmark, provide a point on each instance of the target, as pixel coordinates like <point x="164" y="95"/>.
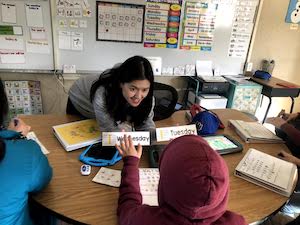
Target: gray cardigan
<point x="79" y="95"/>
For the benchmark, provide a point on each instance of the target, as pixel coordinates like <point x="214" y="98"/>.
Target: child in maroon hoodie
<point x="193" y="186"/>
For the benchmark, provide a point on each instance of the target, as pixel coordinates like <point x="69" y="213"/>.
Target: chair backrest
<point x="166" y="98"/>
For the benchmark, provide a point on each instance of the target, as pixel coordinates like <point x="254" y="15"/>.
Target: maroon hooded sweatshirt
<point x="193" y="188"/>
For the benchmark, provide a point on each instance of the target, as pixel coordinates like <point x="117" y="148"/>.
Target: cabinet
<point x="244" y="96"/>
<point x="196" y="87"/>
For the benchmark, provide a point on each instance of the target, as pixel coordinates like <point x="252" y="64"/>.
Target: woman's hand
<point x="126" y="148"/>
<point x="289" y="157"/>
<point x="19" y="125"/>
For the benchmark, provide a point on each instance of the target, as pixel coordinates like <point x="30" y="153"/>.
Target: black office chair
<point x="166" y="98"/>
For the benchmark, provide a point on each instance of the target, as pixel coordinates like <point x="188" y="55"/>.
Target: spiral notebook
<point x="268" y="171"/>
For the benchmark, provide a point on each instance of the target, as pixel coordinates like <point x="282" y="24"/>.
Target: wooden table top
<point x="76" y="197"/>
<point x="275" y="87"/>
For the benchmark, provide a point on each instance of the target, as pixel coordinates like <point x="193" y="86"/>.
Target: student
<point x="288" y="127"/>
<point x="23" y="169"/>
<point x="193" y="186"/>
<point x="121" y="99"/>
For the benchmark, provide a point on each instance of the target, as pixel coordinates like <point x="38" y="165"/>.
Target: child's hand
<point x="126" y="148"/>
<point x="19" y="125"/>
<point x="276" y="121"/>
<point x="287" y="116"/>
<point x="291" y="116"/>
<point x="288" y="157"/>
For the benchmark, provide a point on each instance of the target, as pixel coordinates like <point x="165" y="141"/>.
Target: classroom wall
<point x="275" y="40"/>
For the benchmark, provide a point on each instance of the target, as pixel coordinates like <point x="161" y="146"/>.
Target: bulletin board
<point x="26" y="35"/>
<point x="180" y="32"/>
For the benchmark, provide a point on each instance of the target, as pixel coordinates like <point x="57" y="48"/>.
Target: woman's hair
<point x="134" y="68"/>
<point x="3" y="113"/>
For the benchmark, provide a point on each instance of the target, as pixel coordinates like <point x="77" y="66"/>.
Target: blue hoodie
<point x="23" y="170"/>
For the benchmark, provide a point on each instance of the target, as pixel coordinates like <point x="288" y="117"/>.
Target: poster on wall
<point x="120" y="22"/>
<point x="242" y="28"/>
<point x="293" y="12"/>
<point x="198" y="25"/>
<point x="162" y="19"/>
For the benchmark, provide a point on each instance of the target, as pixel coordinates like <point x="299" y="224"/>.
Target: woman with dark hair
<point x="121" y="99"/>
<point x="23" y="168"/>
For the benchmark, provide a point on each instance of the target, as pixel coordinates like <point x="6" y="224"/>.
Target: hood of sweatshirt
<point x="194" y="180"/>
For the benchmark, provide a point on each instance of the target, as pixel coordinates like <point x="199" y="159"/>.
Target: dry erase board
<point x="26" y="35"/>
<point x="216" y="30"/>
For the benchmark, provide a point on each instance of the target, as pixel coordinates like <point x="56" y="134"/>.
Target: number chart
<point x="120" y="22"/>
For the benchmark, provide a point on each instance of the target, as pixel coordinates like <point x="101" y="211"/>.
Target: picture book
<point x="268" y="171"/>
<point x="77" y="134"/>
<point x="254" y="132"/>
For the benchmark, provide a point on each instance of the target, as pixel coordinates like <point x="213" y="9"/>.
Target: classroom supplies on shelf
<point x="77" y="134"/>
<point x="254" y="132"/>
<point x="149" y="178"/>
<point x="267" y="171"/>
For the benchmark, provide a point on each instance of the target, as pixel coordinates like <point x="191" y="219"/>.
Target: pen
<point x="16" y="122"/>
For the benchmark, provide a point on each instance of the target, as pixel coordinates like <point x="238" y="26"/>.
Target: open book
<point x="268" y="171"/>
<point x="77" y="134"/>
<point x="254" y="132"/>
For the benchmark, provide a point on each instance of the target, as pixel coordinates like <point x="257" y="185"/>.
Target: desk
<point x="76" y="198"/>
<point x="272" y="89"/>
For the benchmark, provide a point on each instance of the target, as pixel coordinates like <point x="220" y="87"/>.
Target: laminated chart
<point x="120" y="22"/>
<point x="242" y="28"/>
<point x="24" y="97"/>
<point x="162" y="19"/>
<point x="198" y="26"/>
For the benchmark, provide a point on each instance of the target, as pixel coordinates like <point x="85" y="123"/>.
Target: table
<point x="272" y="89"/>
<point x="75" y="198"/>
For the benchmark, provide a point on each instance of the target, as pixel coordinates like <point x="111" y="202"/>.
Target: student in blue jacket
<point x="24" y="169"/>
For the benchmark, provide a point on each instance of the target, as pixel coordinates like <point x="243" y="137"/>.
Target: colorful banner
<point x="198" y="25"/>
<point x="162" y="19"/>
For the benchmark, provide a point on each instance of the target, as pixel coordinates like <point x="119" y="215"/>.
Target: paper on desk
<point x="31" y="136"/>
<point x="108" y="176"/>
<point x="204" y="68"/>
<point x="149" y="178"/>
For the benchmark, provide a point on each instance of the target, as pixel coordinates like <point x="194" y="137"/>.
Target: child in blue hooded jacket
<point x="23" y="169"/>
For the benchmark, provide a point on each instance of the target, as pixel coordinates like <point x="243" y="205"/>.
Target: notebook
<point x="268" y="171"/>
<point x="254" y="132"/>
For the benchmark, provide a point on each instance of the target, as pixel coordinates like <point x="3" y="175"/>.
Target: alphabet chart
<point x="24" y="97"/>
<point x="149" y="178"/>
<point x="120" y="22"/>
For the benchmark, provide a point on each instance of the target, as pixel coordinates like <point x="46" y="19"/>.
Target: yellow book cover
<point x="78" y="134"/>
